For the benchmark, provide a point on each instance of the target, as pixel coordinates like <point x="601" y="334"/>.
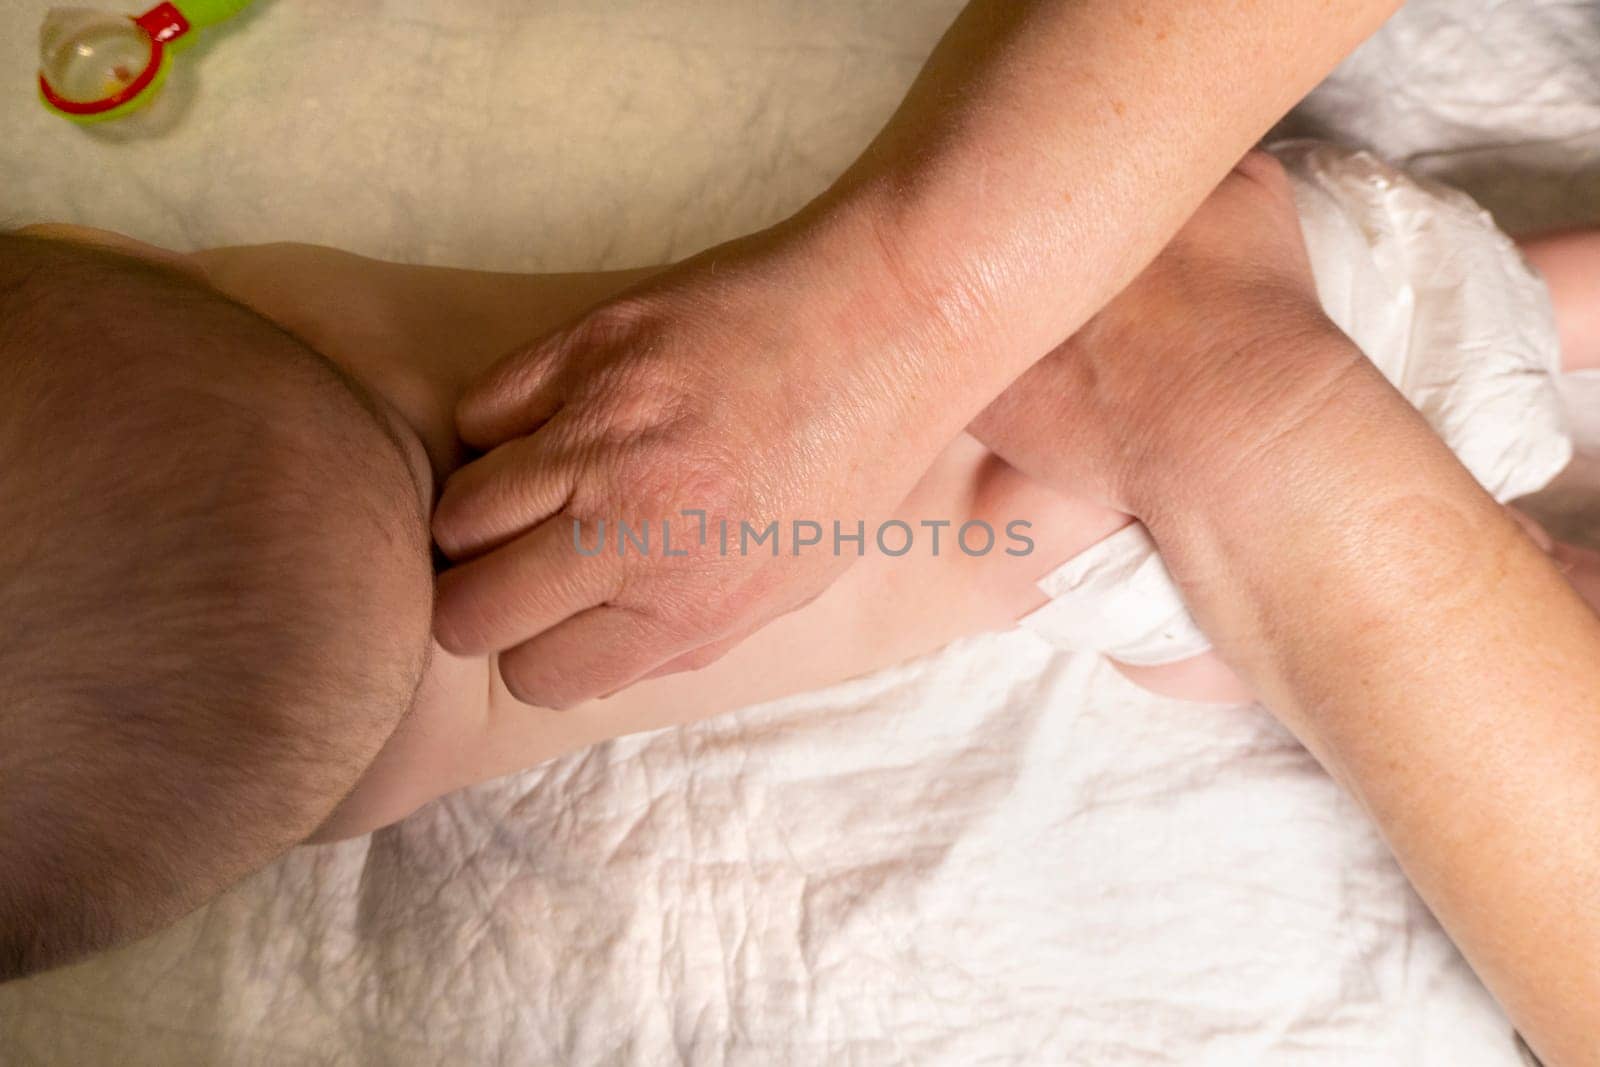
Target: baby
<point x="213" y="593"/>
<point x="215" y="597"/>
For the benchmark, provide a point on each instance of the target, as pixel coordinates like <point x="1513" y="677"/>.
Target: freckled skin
<point x="1454" y="582"/>
<point x="1006" y="201"/>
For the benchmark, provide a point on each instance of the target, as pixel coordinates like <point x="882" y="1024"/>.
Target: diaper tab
<point x="1118" y="599"/>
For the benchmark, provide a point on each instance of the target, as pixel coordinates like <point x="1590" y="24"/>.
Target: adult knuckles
<point x="619" y="321"/>
<point x="659" y="474"/>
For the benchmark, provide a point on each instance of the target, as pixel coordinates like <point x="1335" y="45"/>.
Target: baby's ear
<point x="120" y="243"/>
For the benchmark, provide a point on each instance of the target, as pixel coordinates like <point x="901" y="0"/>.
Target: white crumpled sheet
<point x="994" y="855"/>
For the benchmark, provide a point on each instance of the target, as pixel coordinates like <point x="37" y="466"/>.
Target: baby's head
<point x="214" y="594"/>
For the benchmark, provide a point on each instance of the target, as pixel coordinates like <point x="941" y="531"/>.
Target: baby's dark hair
<point x="214" y="595"/>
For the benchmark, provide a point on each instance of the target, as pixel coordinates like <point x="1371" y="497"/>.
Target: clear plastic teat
<point x="88" y="56"/>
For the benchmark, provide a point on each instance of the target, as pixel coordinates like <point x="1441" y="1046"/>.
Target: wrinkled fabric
<point x="999" y="854"/>
<point x="1441" y="301"/>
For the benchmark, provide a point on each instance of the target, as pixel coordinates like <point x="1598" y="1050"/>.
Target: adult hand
<point x="811" y="375"/>
<point x="754" y="384"/>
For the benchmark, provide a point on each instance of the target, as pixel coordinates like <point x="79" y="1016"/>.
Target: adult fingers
<point x="521" y="589"/>
<point x="513" y="397"/>
<point x="595" y="652"/>
<point x="704" y="656"/>
<point x="490" y="500"/>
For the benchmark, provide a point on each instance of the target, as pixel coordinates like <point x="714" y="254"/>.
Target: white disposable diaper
<point x="1442" y="303"/>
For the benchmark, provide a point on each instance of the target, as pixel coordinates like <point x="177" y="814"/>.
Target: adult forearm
<point x="818" y="367"/>
<point x="1051" y="147"/>
<point x="1393" y="616"/>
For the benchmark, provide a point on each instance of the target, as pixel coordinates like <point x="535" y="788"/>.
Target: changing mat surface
<point x="998" y="854"/>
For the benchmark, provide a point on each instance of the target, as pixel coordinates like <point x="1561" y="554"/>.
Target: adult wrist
<point x="919" y="332"/>
<point x="951" y="271"/>
<point x="1237" y="404"/>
